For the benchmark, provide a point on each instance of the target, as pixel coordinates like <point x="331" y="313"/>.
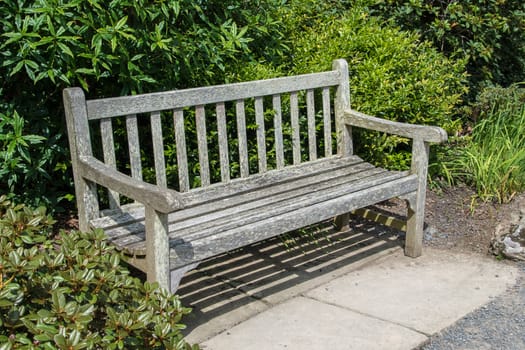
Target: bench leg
<point x="415" y="223"/>
<point x="416" y="201"/>
<point x="341" y="222"/>
<point x="157" y="248"/>
<point x="176" y="275"/>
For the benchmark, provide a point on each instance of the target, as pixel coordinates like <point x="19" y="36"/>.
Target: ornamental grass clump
<point x="71" y="291"/>
<point x="492" y="158"/>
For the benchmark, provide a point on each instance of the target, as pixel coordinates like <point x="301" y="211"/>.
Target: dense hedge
<point x="127" y="47"/>
<point x="393" y="75"/>
<point x="489" y="33"/>
<point x="108" y="48"/>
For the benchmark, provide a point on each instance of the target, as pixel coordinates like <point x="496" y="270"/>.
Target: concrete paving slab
<point x="277" y="273"/>
<point x="425" y="294"/>
<point x="303" y="323"/>
<point x="230" y="289"/>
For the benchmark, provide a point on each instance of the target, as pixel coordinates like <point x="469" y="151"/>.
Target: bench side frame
<point x="75" y="110"/>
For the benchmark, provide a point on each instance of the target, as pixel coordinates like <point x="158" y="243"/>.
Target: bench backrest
<point x="304" y="112"/>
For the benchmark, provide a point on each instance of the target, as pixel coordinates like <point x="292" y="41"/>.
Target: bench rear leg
<point x="342" y="221"/>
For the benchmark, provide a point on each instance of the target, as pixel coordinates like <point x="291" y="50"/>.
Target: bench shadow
<point x="248" y="281"/>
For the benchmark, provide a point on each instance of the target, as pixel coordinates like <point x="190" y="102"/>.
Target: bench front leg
<point x="416" y="202"/>
<point x="157" y="248"/>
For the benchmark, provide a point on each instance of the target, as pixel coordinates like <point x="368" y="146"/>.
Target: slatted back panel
<point x="196" y="137"/>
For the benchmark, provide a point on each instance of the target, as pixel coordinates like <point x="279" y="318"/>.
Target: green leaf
<point x="65" y="49"/>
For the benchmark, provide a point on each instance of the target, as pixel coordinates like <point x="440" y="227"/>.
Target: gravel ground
<point x="497" y="325"/>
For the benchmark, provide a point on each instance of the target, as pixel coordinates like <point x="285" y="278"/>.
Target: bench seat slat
<point x="222" y="207"/>
<point x="219" y="191"/>
<point x="185" y="253"/>
<point x="259" y="224"/>
<point x="262" y="204"/>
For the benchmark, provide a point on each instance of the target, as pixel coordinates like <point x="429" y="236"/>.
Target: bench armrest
<point x="423" y="132"/>
<point x="160" y="199"/>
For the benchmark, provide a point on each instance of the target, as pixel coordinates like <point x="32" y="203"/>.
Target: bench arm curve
<point x="160" y="199"/>
<point x="423" y="132"/>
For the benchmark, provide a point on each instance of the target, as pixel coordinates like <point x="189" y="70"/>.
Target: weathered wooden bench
<point x="170" y="228"/>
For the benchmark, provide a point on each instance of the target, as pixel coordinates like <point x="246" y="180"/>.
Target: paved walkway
<point x="354" y="290"/>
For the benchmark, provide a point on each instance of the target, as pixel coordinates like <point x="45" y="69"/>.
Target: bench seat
<point x="228" y="216"/>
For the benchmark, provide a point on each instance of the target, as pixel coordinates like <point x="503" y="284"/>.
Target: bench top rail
<point x="169" y="100"/>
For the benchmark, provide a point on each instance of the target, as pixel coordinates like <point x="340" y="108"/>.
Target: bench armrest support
<point x="161" y="199"/>
<point x="422" y="132"/>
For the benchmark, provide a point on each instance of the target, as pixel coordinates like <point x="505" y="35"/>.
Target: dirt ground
<point x="454" y="221"/>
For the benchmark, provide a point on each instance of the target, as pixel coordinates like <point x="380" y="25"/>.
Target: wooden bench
<point x="301" y="169"/>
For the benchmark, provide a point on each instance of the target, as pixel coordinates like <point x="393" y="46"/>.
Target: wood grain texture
<point x="261" y="134"/>
<point x="423" y="132"/>
<point x="341" y="104"/>
<point x="220" y="196"/>
<point x="310" y="116"/>
<point x="80" y="145"/>
<point x="278" y="131"/>
<point x="202" y="143"/>
<point x="241" y="135"/>
<point x="108" y="149"/>
<point x="182" y="158"/>
<point x="146" y="103"/>
<point x="163" y="200"/>
<point x="134" y="147"/>
<point x="223" y="142"/>
<point x="327" y="122"/>
<point x="416" y="206"/>
<point x="294" y="116"/>
<point x="157" y="248"/>
<point x="158" y="150"/>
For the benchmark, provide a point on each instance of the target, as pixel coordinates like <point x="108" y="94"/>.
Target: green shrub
<point x="393" y="75"/>
<point x="72" y="293"/>
<point x="490" y="33"/>
<point x="492" y="159"/>
<point x="112" y="48"/>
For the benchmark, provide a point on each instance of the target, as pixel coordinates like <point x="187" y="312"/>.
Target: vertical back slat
<point x="294" y="115"/>
<point x="182" y="158"/>
<point x="202" y="143"/>
<point x="327" y="122"/>
<point x="223" y="142"/>
<point x="310" y="115"/>
<point x="261" y="138"/>
<point x="108" y="148"/>
<point x="158" y="150"/>
<point x="134" y="147"/>
<point x="277" y="124"/>
<point x="241" y="135"/>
